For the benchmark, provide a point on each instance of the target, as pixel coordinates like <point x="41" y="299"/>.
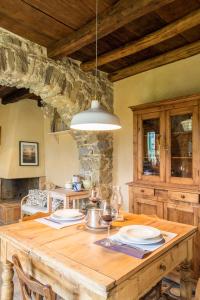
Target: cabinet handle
<point x="183" y="196"/>
<point x="163" y="267"/>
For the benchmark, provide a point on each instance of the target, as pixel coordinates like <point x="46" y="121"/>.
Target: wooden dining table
<point x="69" y="260"/>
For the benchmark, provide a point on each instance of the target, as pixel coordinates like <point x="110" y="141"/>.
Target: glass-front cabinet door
<point x="181" y="148"/>
<point x="151" y="157"/>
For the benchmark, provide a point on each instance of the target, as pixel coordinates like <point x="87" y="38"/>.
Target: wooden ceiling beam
<point x="163" y="59"/>
<point x="4" y="90"/>
<point x="17" y="95"/>
<point x="167" y="32"/>
<point x="120" y="14"/>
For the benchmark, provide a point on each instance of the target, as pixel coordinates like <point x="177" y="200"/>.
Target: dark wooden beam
<point x="120" y="14"/>
<point x="17" y="95"/>
<point x="4" y="90"/>
<point x="167" y="32"/>
<point x="163" y="59"/>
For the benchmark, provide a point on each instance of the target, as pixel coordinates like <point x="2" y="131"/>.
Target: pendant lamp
<point x="95" y="118"/>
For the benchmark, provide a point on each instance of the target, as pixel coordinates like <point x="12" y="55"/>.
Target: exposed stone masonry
<point x="64" y="86"/>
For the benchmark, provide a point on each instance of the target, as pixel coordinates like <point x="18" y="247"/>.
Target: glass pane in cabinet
<point x="151" y="158"/>
<point x="181" y="146"/>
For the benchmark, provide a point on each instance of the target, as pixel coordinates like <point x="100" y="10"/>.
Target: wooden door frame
<point x="183" y="208"/>
<point x="158" y="204"/>
<point x="195" y="161"/>
<point x="140" y="152"/>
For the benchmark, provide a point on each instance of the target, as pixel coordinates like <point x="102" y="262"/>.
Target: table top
<point x="10" y="203"/>
<point x="72" y="250"/>
<point x="68" y="192"/>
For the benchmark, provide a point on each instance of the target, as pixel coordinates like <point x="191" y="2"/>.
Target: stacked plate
<point x="67" y="215"/>
<point x="139" y="234"/>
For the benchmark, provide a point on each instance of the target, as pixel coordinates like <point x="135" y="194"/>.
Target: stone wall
<point x="64" y="86"/>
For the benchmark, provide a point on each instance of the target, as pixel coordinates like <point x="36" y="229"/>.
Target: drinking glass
<point x="116" y="201"/>
<point x="107" y="218"/>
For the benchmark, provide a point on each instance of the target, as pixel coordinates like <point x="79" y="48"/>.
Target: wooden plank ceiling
<point x="12" y="94"/>
<point x="134" y="35"/>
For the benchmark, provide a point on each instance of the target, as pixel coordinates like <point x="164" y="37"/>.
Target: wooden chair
<point x="30" y="288"/>
<point x="34" y="216"/>
<point x="32" y="209"/>
<point x="197" y="294"/>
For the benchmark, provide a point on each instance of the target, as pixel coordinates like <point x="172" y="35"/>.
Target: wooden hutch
<point x="166" y="156"/>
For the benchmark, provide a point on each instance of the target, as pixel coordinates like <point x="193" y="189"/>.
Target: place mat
<point x="136" y="250"/>
<point x="57" y="225"/>
<point x="126" y="249"/>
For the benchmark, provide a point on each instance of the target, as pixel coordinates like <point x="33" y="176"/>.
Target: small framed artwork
<point x="28" y="153"/>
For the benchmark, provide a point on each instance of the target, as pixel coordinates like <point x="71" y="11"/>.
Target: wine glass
<point x="95" y="196"/>
<point x="116" y="201"/>
<point x="107" y="218"/>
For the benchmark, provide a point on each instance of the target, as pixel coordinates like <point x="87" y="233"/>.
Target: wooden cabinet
<point x="182" y="213"/>
<point x="9" y="212"/>
<point x="183" y="196"/>
<point x="166" y="181"/>
<point x="149" y="207"/>
<point x="143" y="191"/>
<point x="166" y="142"/>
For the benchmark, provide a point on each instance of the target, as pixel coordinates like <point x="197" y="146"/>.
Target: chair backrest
<point x="30" y="288"/>
<point x="37" y="198"/>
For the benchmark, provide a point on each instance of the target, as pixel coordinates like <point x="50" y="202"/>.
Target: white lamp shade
<point x="95" y="119"/>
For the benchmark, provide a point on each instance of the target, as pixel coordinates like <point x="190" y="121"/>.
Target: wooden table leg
<point x="7" y="288"/>
<point x="66" y="202"/>
<point x="197" y="293"/>
<point x="186" y="282"/>
<point x="74" y="203"/>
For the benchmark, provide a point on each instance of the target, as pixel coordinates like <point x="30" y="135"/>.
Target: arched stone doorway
<point x="63" y="85"/>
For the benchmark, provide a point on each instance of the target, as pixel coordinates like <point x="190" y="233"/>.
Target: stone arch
<point x="63" y="85"/>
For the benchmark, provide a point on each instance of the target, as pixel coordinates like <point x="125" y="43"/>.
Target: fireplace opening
<point x="16" y="189"/>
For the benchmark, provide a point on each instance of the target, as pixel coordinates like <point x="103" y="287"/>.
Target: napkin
<point x="57" y="224"/>
<point x="126" y="249"/>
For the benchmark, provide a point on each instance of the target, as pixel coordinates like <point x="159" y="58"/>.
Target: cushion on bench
<point x="29" y="210"/>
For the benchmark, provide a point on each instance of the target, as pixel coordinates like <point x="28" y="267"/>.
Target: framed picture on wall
<point x="28" y="153"/>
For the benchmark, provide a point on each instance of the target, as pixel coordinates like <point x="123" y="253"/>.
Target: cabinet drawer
<point x="182" y="196"/>
<point x="143" y="191"/>
<point x="162" y="266"/>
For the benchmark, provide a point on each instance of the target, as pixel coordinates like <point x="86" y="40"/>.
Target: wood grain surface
<point x="70" y="258"/>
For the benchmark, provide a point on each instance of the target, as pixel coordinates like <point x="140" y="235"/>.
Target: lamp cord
<point x="96" y="51"/>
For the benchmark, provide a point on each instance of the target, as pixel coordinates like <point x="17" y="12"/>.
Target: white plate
<point x="140" y="233"/>
<point x="141" y="242"/>
<point x="67" y="218"/>
<point x="124" y="240"/>
<point x="63" y="220"/>
<point x="69" y="214"/>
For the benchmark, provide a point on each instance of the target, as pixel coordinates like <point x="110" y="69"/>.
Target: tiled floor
<point x="171" y="290"/>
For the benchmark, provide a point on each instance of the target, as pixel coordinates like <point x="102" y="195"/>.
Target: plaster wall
<point x="21" y="121"/>
<point x="173" y="80"/>
<point x="61" y="156"/>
